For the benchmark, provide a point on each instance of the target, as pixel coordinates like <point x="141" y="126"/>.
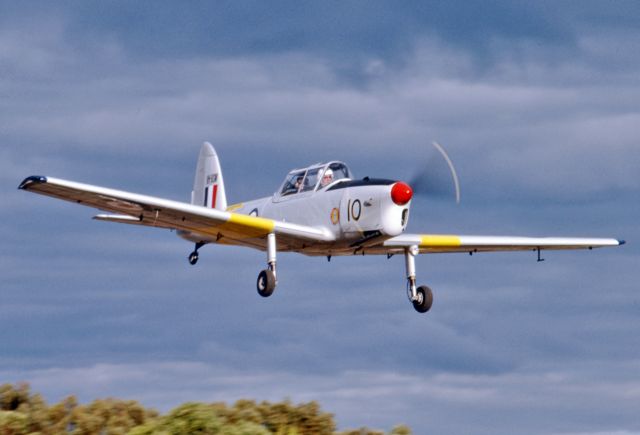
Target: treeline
<point x="23" y="412"/>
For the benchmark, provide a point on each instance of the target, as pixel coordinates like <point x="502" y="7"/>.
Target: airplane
<point x="319" y="210"/>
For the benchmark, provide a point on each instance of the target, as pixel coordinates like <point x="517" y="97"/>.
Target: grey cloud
<point x="516" y="118"/>
<point x="336" y="28"/>
<point x="349" y="33"/>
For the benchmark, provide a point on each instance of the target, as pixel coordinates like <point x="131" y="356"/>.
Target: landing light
<point x="401" y="193"/>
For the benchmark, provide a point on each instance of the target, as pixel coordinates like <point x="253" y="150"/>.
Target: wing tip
<point x="34" y="179"/>
<point x="621" y="242"/>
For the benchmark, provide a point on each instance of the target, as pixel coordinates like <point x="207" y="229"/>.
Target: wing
<point x="132" y="208"/>
<point x="438" y="243"/>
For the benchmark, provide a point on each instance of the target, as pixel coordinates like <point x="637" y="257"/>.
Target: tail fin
<point x="208" y="187"/>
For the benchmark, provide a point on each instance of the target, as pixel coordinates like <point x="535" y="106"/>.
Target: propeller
<point x="434" y="179"/>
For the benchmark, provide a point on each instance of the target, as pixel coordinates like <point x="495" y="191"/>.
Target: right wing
<point x="439" y="243"/>
<point x="132" y="208"/>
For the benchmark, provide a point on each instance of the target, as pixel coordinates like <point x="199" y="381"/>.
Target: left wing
<point x="133" y="208"/>
<point x="438" y="243"/>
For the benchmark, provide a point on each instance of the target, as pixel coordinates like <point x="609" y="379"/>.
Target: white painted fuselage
<point x="353" y="214"/>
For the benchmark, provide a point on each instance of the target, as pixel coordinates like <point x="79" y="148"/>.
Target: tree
<point x="307" y="419"/>
<point x="12" y="397"/>
<point x="401" y="429"/>
<point x="13" y="423"/>
<point x="199" y="418"/>
<point x="25" y="413"/>
<point x="17" y="404"/>
<point x="109" y="417"/>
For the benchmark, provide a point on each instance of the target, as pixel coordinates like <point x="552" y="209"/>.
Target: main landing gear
<point x="266" y="283"/>
<point x="421" y="297"/>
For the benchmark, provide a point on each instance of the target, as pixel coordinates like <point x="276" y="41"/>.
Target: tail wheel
<point x="193" y="258"/>
<point x="266" y="283"/>
<point x="425" y="299"/>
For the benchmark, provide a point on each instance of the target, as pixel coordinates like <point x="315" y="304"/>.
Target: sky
<point x="536" y="102"/>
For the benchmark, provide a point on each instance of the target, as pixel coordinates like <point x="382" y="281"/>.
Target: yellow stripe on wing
<point x="247" y="226"/>
<point x="437" y="241"/>
<point x="267" y="225"/>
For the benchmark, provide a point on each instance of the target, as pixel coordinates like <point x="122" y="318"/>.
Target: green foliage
<point x="244" y="428"/>
<point x="285" y="418"/>
<point x="13" y="423"/>
<point x="24" y="413"/>
<point x="401" y="429"/>
<point x="191" y="418"/>
<point x="108" y="417"/>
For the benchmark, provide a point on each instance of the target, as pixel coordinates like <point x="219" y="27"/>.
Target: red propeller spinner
<point x="401" y="193"/>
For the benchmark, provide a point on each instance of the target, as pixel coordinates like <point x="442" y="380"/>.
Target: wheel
<point x="425" y="299"/>
<point x="193" y="258"/>
<point x="266" y="283"/>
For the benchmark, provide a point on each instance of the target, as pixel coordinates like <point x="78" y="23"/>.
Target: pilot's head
<point x="327" y="177"/>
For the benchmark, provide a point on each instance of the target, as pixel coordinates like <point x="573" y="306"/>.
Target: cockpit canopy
<point x="314" y="177"/>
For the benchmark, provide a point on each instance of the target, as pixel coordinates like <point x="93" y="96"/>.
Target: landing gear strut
<point x="193" y="257"/>
<point x="421" y="297"/>
<point x="266" y="283"/>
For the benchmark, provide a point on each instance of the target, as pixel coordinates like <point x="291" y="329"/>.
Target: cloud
<point x="510" y="119"/>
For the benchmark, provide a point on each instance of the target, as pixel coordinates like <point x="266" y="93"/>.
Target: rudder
<point x="208" y="186"/>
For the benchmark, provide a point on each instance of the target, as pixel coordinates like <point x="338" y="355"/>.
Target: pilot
<point x="327" y="178"/>
<point x="298" y="183"/>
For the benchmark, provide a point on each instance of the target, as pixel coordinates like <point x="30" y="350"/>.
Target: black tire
<point x="425" y="299"/>
<point x="266" y="283"/>
<point x="193" y="258"/>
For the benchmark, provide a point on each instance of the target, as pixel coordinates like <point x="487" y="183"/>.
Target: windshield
<point x="311" y="179"/>
<point x="307" y="180"/>
<point x="293" y="183"/>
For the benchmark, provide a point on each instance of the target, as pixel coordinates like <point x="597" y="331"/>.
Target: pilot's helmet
<point x="327" y="177"/>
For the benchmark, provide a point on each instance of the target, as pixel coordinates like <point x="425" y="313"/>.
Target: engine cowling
<point x="375" y="206"/>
